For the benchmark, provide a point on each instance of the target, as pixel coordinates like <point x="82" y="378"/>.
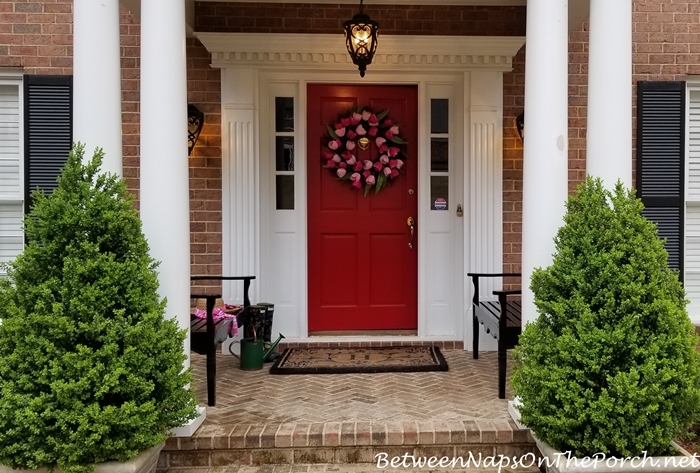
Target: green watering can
<point x="252" y="352"/>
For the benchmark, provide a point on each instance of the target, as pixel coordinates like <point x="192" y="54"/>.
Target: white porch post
<point x="609" y="144"/>
<point x="545" y="157"/>
<point x="97" y="86"/>
<point x="164" y="187"/>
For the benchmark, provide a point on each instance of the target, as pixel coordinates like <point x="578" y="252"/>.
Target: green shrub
<point x="610" y="365"/>
<point x="89" y="369"/>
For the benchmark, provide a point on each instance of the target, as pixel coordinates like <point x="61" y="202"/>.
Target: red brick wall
<point x="329" y="18"/>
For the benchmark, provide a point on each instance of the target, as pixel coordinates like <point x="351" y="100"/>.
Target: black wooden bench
<point x="504" y="326"/>
<point x="205" y="342"/>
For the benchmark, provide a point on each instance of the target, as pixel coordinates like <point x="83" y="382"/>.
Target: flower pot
<point x="683" y="462"/>
<point x="144" y="462"/>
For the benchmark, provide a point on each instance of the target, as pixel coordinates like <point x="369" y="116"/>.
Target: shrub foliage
<point x="89" y="369"/>
<point x="610" y="365"/>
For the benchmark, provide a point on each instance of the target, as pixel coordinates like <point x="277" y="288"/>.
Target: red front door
<point x="362" y="273"/>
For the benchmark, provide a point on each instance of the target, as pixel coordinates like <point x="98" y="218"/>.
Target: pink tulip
<point x="373" y="131"/>
<point x="355" y="176"/>
<point x="327" y="154"/>
<point x="335" y="144"/>
<point x="342" y="165"/>
<point x="336" y="158"/>
<point x="345" y="121"/>
<point x="356" y="185"/>
<point x="360" y="130"/>
<point x="368" y="164"/>
<point x="392" y="163"/>
<point x="330" y="164"/>
<point x="373" y="120"/>
<point x="394" y="129"/>
<point x="355" y="119"/>
<point x="384" y="159"/>
<point x="380" y="141"/>
<point x="357" y="166"/>
<point x="393" y="151"/>
<point x="371" y="180"/>
<point x="340" y="132"/>
<point x="378" y="166"/>
<point x="366" y="115"/>
<point x="399" y="164"/>
<point x="350" y="145"/>
<point x="388" y="122"/>
<point x="387" y="171"/>
<point x="341" y="172"/>
<point x="352" y="160"/>
<point x="394" y="173"/>
<point x="351" y="135"/>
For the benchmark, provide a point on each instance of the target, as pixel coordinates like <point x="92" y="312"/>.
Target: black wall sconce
<point x="520" y="125"/>
<point x="195" y="122"/>
<point x="361" y="39"/>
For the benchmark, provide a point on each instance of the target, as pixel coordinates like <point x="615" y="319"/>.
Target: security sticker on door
<point x="440" y="204"/>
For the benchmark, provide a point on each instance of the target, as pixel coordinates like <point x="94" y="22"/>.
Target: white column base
<point x="515" y="413"/>
<point x="191" y="427"/>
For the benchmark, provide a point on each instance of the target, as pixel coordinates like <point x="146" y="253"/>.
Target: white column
<point x="164" y="192"/>
<point x="609" y="143"/>
<point x="545" y="157"/>
<point x="97" y="82"/>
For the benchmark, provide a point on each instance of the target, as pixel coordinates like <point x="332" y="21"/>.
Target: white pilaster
<point x="545" y="165"/>
<point x="240" y="173"/>
<point x="97" y="106"/>
<point x="164" y="187"/>
<point x="609" y="144"/>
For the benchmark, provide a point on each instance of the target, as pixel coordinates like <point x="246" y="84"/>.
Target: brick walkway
<point x="468" y="391"/>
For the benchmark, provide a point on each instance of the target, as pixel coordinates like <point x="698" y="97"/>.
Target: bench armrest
<point x="507" y="293"/>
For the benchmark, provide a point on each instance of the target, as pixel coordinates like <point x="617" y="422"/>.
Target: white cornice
<point x="395" y="53"/>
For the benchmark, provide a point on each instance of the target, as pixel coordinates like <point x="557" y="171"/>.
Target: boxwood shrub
<point x="89" y="368"/>
<point x="611" y="364"/>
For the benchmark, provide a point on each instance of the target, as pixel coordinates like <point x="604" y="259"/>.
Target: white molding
<point x="395" y="53"/>
<point x="191" y="427"/>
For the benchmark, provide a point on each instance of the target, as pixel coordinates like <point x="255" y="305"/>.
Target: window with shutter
<point x="35" y="139"/>
<point x="661" y="161"/>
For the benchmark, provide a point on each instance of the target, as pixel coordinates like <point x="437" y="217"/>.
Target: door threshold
<point x="364" y="333"/>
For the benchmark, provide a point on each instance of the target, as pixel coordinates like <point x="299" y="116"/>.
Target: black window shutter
<point x="48" y="125"/>
<point x="661" y="111"/>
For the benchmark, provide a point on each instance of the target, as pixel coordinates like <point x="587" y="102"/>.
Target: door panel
<point x="362" y="273"/>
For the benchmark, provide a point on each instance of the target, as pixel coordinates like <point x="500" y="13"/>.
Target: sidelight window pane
<point x="439" y="151"/>
<point x="284" y="154"/>
<point x="439" y="112"/>
<point x="284" y="114"/>
<point x="285" y="192"/>
<point x="439" y="192"/>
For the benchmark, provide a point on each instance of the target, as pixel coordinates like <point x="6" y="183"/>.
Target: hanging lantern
<point x="361" y="39"/>
<point x="195" y="121"/>
<point x="520" y="125"/>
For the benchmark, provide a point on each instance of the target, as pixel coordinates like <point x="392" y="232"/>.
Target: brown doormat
<point x="359" y="360"/>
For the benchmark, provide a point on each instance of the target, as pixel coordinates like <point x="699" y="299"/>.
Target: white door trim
<point x="251" y="63"/>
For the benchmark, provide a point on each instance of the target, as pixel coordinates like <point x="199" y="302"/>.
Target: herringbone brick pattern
<point x="468" y="391"/>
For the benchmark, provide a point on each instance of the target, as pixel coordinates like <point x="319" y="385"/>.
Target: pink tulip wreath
<point x="347" y="137"/>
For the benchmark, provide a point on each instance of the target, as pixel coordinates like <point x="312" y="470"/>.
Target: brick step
<point x="335" y="468"/>
<point x="344" y="443"/>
